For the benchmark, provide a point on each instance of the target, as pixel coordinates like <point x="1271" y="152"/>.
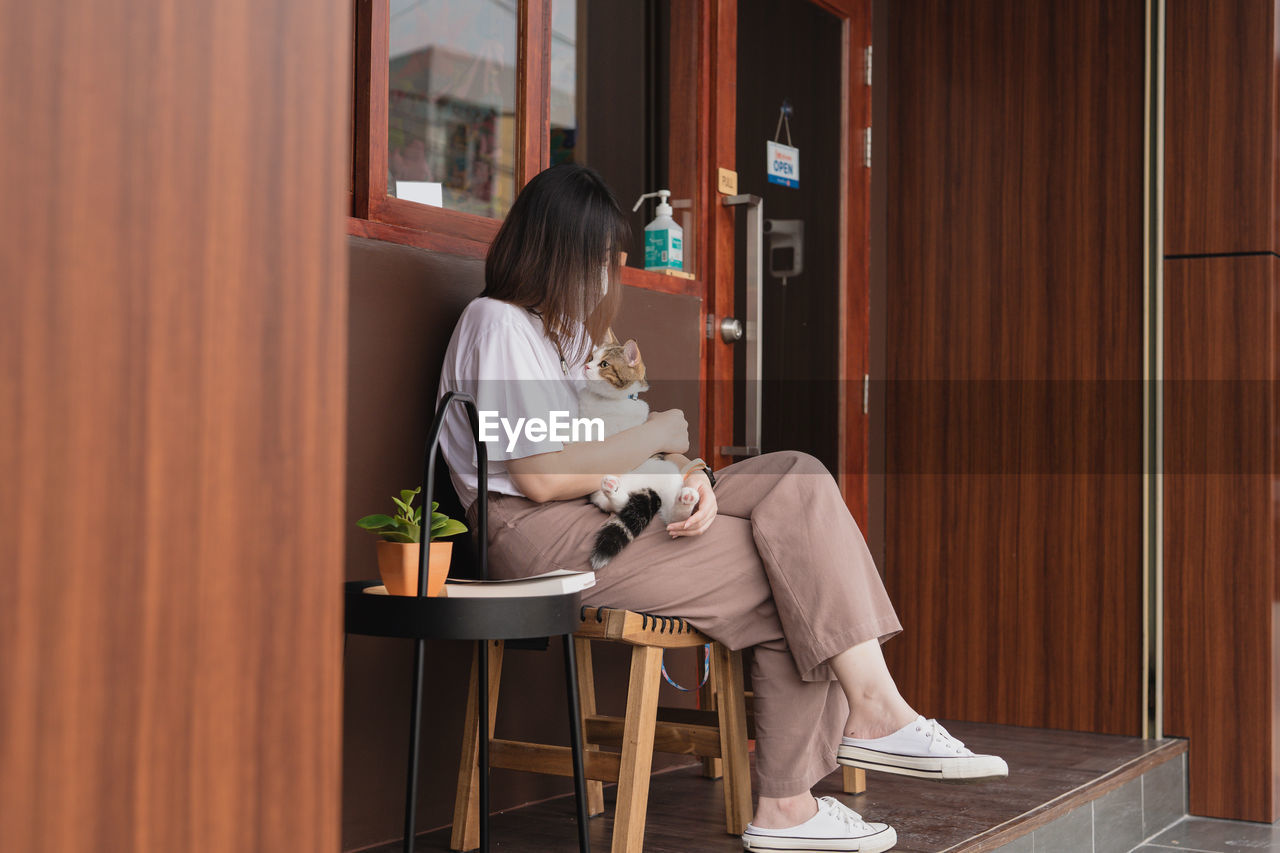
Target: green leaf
<point x="438" y="516"/>
<point x="452" y="527"/>
<point x="376" y="522"/>
<point x="435" y="505"/>
<point x="399" y="537"/>
<point x="404" y="507"/>
<point x="407" y="495"/>
<point x="409" y="529"/>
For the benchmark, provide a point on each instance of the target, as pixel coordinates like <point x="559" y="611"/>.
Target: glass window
<point x="451" y="128"/>
<point x="564" y="81"/>
<point x="616" y="104"/>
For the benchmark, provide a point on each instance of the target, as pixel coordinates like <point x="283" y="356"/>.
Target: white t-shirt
<point x="500" y="355"/>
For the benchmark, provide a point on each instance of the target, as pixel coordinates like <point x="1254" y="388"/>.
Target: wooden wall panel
<point x="1220" y="120"/>
<point x="1222" y="656"/>
<point x="172" y="332"/>
<point x="1013" y="537"/>
<point x="1220" y="534"/>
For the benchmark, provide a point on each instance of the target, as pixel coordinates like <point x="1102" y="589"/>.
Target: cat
<point x="615" y="381"/>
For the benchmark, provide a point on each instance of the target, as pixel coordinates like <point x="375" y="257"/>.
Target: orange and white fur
<point x="615" y="380"/>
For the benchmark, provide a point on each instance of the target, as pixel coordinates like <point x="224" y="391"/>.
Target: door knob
<point x="731" y="330"/>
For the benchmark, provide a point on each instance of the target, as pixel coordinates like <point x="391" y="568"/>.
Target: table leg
<point x="575" y="744"/>
<point x="415" y="722"/>
<point x="483" y="769"/>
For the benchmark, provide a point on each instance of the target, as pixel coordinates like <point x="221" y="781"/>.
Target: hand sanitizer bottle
<point x="663" y="237"/>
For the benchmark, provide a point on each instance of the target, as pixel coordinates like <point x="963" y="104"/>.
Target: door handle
<point x="731" y="330"/>
<point x="754" y="311"/>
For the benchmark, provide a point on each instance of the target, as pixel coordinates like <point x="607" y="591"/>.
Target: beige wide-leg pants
<point x="783" y="569"/>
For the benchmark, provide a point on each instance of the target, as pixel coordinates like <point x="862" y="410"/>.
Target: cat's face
<point x="618" y="365"/>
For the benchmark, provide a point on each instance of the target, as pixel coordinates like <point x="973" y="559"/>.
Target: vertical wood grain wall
<point x="1013" y="358"/>
<point x="1222" y="594"/>
<point x="1012" y="293"/>
<point x="172" y="334"/>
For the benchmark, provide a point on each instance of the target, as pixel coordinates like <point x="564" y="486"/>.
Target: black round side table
<point x="480" y="619"/>
<point x="421" y="618"/>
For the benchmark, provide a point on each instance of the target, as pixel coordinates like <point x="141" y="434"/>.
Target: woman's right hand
<point x="671" y="430"/>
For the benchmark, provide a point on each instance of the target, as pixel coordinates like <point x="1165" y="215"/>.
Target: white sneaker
<point x="835" y="827"/>
<point x="922" y="748"/>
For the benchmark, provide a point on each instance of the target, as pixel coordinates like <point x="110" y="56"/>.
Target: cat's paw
<point x="601" y="500"/>
<point x="614" y="493"/>
<point x="686" y="500"/>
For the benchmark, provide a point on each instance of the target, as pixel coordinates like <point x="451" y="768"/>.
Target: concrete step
<point x="1118" y="819"/>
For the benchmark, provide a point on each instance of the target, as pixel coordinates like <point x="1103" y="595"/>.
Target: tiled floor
<point x="1052" y="779"/>
<point x="1202" y="835"/>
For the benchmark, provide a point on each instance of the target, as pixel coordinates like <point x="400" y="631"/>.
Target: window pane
<point x="451" y="130"/>
<point x="623" y="102"/>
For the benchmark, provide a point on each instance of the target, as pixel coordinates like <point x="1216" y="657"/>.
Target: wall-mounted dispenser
<point x="785" y="241"/>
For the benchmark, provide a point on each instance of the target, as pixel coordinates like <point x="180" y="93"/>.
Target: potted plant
<point x="399" y="547"/>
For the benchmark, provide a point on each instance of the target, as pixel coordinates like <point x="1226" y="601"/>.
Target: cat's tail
<point x="624" y="525"/>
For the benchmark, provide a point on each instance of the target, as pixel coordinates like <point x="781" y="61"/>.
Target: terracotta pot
<point x="398" y="565"/>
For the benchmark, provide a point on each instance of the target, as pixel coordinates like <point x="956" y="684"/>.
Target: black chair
<point x="480" y="619"/>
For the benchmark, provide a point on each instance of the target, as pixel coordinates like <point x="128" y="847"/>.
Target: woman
<point x="770" y="559"/>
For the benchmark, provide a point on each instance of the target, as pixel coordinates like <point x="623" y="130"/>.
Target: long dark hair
<point x="564" y="227"/>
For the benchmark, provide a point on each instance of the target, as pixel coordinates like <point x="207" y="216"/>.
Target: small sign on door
<point x="783" y="164"/>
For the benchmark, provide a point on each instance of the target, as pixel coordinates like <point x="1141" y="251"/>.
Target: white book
<point x="549" y="583"/>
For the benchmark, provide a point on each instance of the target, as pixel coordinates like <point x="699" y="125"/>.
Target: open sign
<point x="782" y="163"/>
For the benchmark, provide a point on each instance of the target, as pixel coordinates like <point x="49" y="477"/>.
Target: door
<point x="663" y="94"/>
<point x="798" y="247"/>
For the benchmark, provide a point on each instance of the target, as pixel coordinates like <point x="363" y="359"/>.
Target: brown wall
<point x="1012" y="200"/>
<point x="1222" y="594"/>
<point x="1220" y="120"/>
<point x="173" y="335"/>
<point x="1013" y="345"/>
<point x="1220" y="528"/>
<point x="403" y="305"/>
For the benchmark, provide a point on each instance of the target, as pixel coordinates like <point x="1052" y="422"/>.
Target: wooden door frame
<point x="720" y="78"/>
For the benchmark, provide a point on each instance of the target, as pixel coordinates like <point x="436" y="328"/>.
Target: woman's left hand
<point x="697" y="524"/>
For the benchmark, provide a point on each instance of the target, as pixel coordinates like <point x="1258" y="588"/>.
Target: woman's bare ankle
<point x="784" y="812"/>
<point x="878" y="717"/>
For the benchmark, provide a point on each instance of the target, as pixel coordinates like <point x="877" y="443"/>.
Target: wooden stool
<point x="719" y="736"/>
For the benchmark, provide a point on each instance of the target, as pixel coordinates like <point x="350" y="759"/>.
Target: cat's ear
<point x="632" y="352"/>
<point x="610" y="337"/>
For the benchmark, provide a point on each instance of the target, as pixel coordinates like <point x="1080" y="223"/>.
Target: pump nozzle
<point x="664" y="209"/>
